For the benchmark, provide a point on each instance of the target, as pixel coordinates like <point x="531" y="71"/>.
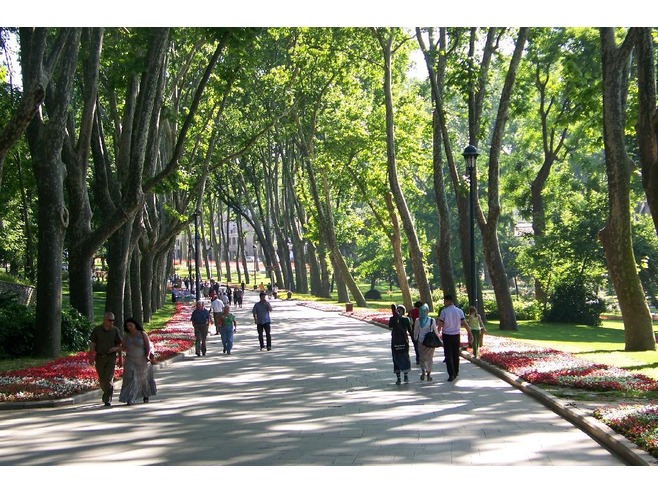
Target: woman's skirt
<point x="426" y="355"/>
<point x="401" y="360"/>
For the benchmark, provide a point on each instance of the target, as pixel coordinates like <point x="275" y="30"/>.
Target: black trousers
<point x="264" y="327"/>
<point x="451" y="350"/>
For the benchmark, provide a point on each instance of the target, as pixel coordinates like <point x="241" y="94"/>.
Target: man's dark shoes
<point x="108" y="404"/>
<point x="451" y="379"/>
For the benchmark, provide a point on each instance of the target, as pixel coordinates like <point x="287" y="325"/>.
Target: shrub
<point x="527" y="309"/>
<point x="524" y="309"/>
<point x="76" y="330"/>
<point x="574" y="302"/>
<point x="99" y="286"/>
<point x="490" y="308"/>
<point x="16" y="329"/>
<point x="373" y="295"/>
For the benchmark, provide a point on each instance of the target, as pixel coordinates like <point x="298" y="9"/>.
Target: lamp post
<point x="255" y="268"/>
<point x="290" y="260"/>
<point x="197" y="257"/>
<point x="470" y="156"/>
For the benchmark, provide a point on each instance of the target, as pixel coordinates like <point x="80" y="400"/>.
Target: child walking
<point x="477" y="328"/>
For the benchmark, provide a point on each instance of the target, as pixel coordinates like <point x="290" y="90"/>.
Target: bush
<point x="99" y="286"/>
<point x="524" y="309"/>
<point x="76" y="330"/>
<point x="529" y="309"/>
<point x="574" y="302"/>
<point x="373" y="295"/>
<point x="16" y="329"/>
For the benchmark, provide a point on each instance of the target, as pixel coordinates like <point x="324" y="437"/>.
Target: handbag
<point x="432" y="340"/>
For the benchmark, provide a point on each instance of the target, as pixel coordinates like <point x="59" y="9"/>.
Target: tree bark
<point x="46" y="139"/>
<point x="415" y="253"/>
<point x="616" y="236"/>
<point x="437" y="58"/>
<point x="647" y="119"/>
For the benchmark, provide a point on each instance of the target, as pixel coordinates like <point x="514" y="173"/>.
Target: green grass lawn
<point x="603" y="344"/>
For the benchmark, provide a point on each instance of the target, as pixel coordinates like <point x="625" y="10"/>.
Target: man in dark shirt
<point x="104" y="346"/>
<point x="201" y="321"/>
<point x="261" y="312"/>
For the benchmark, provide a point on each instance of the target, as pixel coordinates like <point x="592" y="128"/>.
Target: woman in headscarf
<point x="422" y="326"/>
<point x="400" y="327"/>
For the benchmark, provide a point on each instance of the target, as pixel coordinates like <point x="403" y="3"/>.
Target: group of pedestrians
<point x="108" y="344"/>
<point x="226" y="324"/>
<point x="446" y="328"/>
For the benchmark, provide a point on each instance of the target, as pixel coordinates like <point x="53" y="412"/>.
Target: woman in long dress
<point x="400" y="327"/>
<point x="422" y="326"/>
<point x="138" y="380"/>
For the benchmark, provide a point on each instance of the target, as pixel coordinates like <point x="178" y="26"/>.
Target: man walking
<point x="201" y="321"/>
<point x="217" y="307"/>
<point x="451" y="319"/>
<point x="104" y="346"/>
<point x="261" y="312"/>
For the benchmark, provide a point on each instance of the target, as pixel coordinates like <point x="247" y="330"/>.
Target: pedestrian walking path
<point x="324" y="395"/>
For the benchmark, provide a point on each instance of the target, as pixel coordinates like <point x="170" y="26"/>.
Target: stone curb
<point x="614" y="442"/>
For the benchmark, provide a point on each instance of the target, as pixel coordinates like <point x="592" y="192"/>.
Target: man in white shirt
<point x="451" y="319"/>
<point x="217" y="308"/>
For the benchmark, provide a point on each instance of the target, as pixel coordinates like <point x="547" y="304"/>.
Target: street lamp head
<point x="470" y="154"/>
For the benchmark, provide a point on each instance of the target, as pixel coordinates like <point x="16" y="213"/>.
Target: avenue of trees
<point x="114" y="141"/>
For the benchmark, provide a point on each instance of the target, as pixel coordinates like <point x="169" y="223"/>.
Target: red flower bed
<point x="72" y="375"/>
<point x="638" y="423"/>
<point x="548" y="366"/>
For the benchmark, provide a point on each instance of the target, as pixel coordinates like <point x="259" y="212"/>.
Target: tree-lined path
<point x="324" y="395"/>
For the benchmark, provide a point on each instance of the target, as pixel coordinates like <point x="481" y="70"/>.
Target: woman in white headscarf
<point x="422" y="326"/>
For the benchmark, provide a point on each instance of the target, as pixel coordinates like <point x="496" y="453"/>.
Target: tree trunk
<point x="139" y="304"/>
<point x="46" y="139"/>
<point x="398" y="260"/>
<point x="118" y="249"/>
<point x="415" y="253"/>
<point x="446" y="274"/>
<point x="488" y="226"/>
<point x="647" y="119"/>
<point x="435" y="59"/>
<point x="616" y="235"/>
<point x="32" y="98"/>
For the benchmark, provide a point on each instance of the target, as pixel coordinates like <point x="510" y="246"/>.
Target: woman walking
<point x="423" y="325"/>
<point x="138" y="380"/>
<point x="400" y="327"/>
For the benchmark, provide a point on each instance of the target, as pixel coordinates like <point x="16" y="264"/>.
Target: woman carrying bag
<point x="424" y="325"/>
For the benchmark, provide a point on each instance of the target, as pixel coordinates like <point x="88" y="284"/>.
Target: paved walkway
<point x="324" y="395"/>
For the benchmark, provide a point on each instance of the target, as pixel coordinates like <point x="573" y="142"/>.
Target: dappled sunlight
<point x="332" y="401"/>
